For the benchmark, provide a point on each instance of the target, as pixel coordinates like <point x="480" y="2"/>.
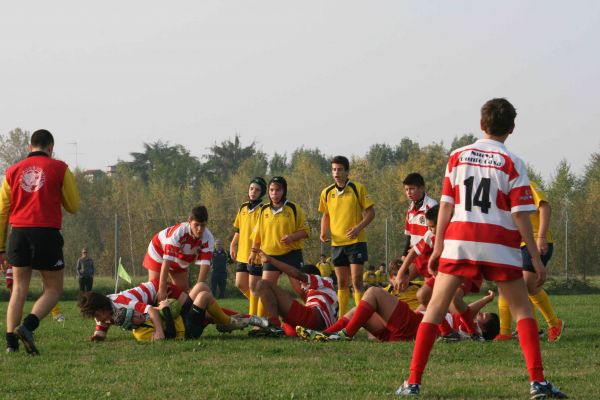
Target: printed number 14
<point x="482" y="194"/>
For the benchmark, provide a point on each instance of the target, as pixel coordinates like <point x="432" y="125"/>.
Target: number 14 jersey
<point x="486" y="184"/>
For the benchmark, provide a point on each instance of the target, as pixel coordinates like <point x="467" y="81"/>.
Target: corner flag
<point x="122" y="273"/>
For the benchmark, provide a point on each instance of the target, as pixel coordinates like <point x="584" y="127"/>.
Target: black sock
<point x="185" y="309"/>
<point x="31" y="322"/>
<point x="12" y="340"/>
<point x="194" y="325"/>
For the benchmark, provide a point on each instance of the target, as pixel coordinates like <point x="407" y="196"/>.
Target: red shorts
<point x="475" y="269"/>
<point x="152" y="265"/>
<point x="402" y="325"/>
<point x="308" y="317"/>
<point x="467" y="286"/>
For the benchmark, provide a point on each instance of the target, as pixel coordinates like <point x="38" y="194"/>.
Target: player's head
<point x="371" y="268"/>
<point x="322" y="258"/>
<point x="489" y="323"/>
<point x="414" y="186"/>
<point x="431" y="217"/>
<point x="218" y="244"/>
<point x="95" y="305"/>
<point x="340" y="167"/>
<point x="310" y="269"/>
<point x="42" y="140"/>
<point x="498" y="117"/>
<point x="257" y="188"/>
<point x="128" y="318"/>
<point x="393" y="269"/>
<point x="277" y="189"/>
<point x="198" y="220"/>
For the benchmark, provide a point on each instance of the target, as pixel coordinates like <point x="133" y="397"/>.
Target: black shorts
<point x="254" y="270"/>
<point x="343" y="256"/>
<point x="528" y="265"/>
<point x="293" y="258"/>
<point x="39" y="248"/>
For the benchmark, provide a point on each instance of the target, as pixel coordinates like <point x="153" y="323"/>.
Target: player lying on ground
<point x="390" y="319"/>
<point x="320" y="307"/>
<point x="416" y="262"/>
<point x="142" y="300"/>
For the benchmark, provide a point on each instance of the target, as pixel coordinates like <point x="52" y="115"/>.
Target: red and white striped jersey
<point x="424" y="248"/>
<point x="486" y="184"/>
<point x="177" y="244"/>
<point x="415" y="224"/>
<point x="321" y="295"/>
<point x="140" y="298"/>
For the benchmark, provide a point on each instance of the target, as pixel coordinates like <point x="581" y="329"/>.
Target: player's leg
<point x="375" y="305"/>
<point x="242" y="279"/>
<point x="356" y="271"/>
<point x="462" y="308"/>
<point x="425" y="291"/>
<point x="341" y="322"/>
<point x="181" y="279"/>
<point x="515" y="292"/>
<point x="14" y="312"/>
<point x="443" y="292"/>
<point x="343" y="278"/>
<point x="255" y="307"/>
<point x="358" y="256"/>
<point x="505" y="320"/>
<point x="275" y="300"/>
<point x="53" y="288"/>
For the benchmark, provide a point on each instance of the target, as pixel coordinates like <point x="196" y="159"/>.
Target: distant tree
<point x="278" y="164"/>
<point x="404" y="150"/>
<point x="225" y="158"/>
<point x="381" y="155"/>
<point x="161" y="161"/>
<point x="461" y="141"/>
<point x="314" y="155"/>
<point x="14" y="146"/>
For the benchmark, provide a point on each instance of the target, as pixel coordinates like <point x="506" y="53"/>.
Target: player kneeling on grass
<point x="320" y="307"/>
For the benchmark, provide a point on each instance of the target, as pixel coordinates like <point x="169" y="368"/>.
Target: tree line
<point x="161" y="183"/>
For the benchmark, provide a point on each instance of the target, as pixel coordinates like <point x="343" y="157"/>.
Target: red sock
<point x="363" y="312"/>
<point x="288" y="329"/>
<point x="338" y="325"/>
<point x="467" y="319"/>
<point x="275" y="321"/>
<point x="529" y="339"/>
<point x="424" y="342"/>
<point x="229" y="312"/>
<point x="445" y="328"/>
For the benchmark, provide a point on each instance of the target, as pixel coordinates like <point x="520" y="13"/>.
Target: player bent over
<point x="484" y="212"/>
<point x="172" y="250"/>
<point x="319" y="311"/>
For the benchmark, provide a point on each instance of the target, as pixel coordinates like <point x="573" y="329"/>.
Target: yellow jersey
<point x="369" y="278"/>
<point x="325" y="268"/>
<point x="538" y="197"/>
<point x="244" y="223"/>
<point x="409" y="296"/>
<point x="345" y="209"/>
<point x="272" y="225"/>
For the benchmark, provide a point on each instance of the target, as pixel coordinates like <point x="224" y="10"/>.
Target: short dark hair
<point x="394" y="267"/>
<point x="498" y="117"/>
<point x="341" y="160"/>
<point x="90" y="302"/>
<point x="199" y="214"/>
<point x="310" y="269"/>
<point x="491" y="327"/>
<point x="432" y="213"/>
<point x="41" y="139"/>
<point x="414" y="178"/>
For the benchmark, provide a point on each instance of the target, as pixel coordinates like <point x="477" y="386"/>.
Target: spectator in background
<point x="85" y="272"/>
<point x="218" y="280"/>
<point x="381" y="274"/>
<point x="369" y="276"/>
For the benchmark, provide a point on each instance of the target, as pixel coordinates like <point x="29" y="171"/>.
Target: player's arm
<point x="162" y="283"/>
<point x="477" y="305"/>
<point x="159" y="332"/>
<point x="233" y="245"/>
<point x="444" y="216"/>
<point x="325" y="223"/>
<point x="283" y="267"/>
<point x="545" y="212"/>
<point x="368" y="216"/>
<point x="523" y="223"/>
<point x="4" y="211"/>
<point x="69" y="193"/>
<point x="294" y="236"/>
<point x="403" y="276"/>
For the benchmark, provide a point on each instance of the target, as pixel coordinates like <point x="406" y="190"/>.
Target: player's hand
<point x="287" y="239"/>
<point x="401" y="282"/>
<point x="434" y="261"/>
<point x="323" y="237"/>
<point x="163" y="304"/>
<point x="490" y="296"/>
<point x="251" y="258"/>
<point x="97" y="338"/>
<point x="540" y="271"/>
<point x="353" y="232"/>
<point x="264" y="258"/>
<point x="158" y="335"/>
<point x="542" y="245"/>
<point x="233" y="252"/>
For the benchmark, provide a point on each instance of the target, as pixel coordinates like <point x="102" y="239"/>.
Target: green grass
<point x="235" y="366"/>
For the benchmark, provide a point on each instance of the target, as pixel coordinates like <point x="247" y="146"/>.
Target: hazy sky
<point x="337" y="75"/>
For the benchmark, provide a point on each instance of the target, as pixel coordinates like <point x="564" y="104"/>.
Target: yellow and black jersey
<point x="538" y="197"/>
<point x="273" y="225"/>
<point x="409" y="296"/>
<point x="244" y="223"/>
<point x="345" y="209"/>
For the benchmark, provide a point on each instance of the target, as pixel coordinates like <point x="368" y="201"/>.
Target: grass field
<point x="234" y="366"/>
